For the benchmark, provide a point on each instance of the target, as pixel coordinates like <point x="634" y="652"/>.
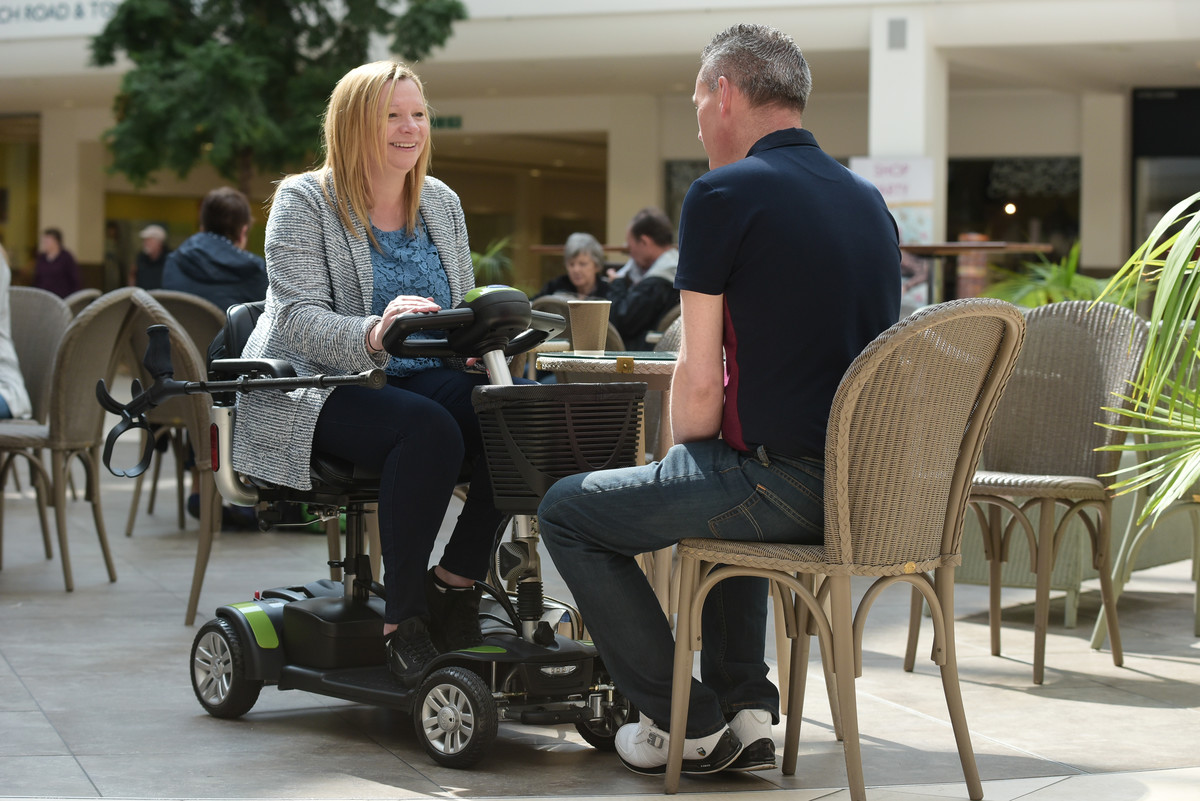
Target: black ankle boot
<point x="409" y="651"/>
<point x="453" y="614"/>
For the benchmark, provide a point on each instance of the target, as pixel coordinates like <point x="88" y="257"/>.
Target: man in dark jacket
<point x="644" y="289"/>
<point x="214" y="263"/>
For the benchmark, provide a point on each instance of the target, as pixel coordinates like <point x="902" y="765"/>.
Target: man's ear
<point x="725" y="94"/>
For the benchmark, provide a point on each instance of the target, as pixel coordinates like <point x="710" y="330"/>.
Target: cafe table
<point x="655" y="369"/>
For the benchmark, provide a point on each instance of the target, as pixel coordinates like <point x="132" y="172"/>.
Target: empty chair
<point x="905" y="432"/>
<point x="79" y="300"/>
<point x="1042" y="453"/>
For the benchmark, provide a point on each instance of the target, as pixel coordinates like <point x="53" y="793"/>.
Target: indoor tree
<point x="242" y="84"/>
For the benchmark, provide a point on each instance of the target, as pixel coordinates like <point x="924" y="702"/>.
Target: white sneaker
<point x="642" y="747"/>
<point x="753" y="728"/>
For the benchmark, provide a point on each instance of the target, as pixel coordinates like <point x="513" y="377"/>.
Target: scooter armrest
<point x="258" y="368"/>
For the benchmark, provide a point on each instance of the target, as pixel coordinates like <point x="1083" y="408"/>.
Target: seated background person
<point x="351" y="246"/>
<point x="644" y="289"/>
<point x="56" y="269"/>
<point x="214" y="263"/>
<point x="583" y="259"/>
<point x="147" y="269"/>
<point x="777" y="242"/>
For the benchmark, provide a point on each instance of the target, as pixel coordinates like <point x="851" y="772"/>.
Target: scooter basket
<point x="535" y="435"/>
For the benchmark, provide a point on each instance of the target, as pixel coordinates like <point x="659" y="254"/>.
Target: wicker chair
<point x="905" y="432"/>
<point x="38" y="321"/>
<point x="200" y="320"/>
<point x="78" y="301"/>
<point x="74" y="419"/>
<point x="1042" y="453"/>
<point x="191" y="413"/>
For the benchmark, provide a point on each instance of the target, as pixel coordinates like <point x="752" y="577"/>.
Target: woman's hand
<point x="401" y="304"/>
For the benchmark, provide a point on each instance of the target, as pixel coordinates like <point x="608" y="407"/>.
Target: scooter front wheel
<point x="219" y="671"/>
<point x="455" y="717"/>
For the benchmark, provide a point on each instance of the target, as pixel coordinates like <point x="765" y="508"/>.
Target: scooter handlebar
<point x="157" y="362"/>
<point x="396" y="339"/>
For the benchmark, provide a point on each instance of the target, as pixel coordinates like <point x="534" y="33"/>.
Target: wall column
<point x="67" y="200"/>
<point x="907" y="106"/>
<point x="1104" y="190"/>
<point x="635" y="168"/>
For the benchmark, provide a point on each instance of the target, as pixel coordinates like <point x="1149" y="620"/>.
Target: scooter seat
<point x="345" y="476"/>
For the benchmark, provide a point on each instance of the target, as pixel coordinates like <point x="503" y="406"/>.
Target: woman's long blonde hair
<point x="355" y="128"/>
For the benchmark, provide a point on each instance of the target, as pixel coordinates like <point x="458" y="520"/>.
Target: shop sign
<point x="907" y="187"/>
<point x="41" y="20"/>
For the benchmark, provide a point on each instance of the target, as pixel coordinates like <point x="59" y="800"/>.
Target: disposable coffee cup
<point x="589" y="325"/>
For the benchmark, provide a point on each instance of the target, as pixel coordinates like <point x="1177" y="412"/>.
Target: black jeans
<point x="418" y="432"/>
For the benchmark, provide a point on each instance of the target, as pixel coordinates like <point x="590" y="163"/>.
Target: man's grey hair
<point x="762" y="62"/>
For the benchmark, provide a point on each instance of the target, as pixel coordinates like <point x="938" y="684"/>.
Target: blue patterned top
<point x="408" y="265"/>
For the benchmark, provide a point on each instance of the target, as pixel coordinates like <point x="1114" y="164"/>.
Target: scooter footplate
<point x="366" y="685"/>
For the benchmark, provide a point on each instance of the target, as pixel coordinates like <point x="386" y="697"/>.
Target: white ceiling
<point x="1073" y="68"/>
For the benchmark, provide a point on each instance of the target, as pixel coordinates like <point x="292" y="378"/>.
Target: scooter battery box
<point x="334" y="632"/>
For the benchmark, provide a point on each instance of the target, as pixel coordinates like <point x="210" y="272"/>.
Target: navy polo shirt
<point x="806" y="255"/>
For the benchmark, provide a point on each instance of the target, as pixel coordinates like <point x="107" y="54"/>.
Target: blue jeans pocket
<point x="765" y="517"/>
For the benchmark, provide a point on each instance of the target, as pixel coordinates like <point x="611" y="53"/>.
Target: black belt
<point x="766" y="455"/>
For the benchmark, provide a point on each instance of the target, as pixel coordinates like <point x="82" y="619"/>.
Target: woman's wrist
<point x="375" y="337"/>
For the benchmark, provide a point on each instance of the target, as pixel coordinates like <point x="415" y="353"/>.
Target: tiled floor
<point x="95" y="699"/>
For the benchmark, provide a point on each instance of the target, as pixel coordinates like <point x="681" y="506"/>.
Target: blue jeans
<point x="594" y="524"/>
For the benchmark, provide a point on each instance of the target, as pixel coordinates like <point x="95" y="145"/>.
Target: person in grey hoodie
<point x="214" y="263"/>
<point x="644" y="289"/>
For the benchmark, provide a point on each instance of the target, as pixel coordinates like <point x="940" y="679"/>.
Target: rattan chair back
<point x="39" y="320"/>
<point x="1076" y="356"/>
<point x="86" y="355"/>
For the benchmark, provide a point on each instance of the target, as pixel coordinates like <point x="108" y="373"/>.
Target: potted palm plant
<point x="1163" y="414"/>
<point x="1044" y="281"/>
<point x="493" y="265"/>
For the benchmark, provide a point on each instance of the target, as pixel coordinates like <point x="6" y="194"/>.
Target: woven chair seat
<point x="1036" y="486"/>
<point x="23" y="434"/>
<point x="798" y="558"/>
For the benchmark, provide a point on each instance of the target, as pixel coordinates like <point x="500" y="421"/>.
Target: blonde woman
<point x="350" y="246"/>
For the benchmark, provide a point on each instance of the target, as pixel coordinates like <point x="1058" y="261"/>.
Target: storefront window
<point x="1015" y="200"/>
<point x="19" y="153"/>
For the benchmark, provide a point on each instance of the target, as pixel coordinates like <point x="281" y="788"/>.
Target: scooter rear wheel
<point x="455" y="717"/>
<point x="602" y="733"/>
<point x="219" y="671"/>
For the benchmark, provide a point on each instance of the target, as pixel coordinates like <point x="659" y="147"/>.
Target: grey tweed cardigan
<point x="317" y="314"/>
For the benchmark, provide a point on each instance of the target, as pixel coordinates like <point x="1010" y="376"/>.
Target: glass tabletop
<point x="641" y="355"/>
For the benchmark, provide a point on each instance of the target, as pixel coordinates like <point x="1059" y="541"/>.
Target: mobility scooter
<point x="326" y="637"/>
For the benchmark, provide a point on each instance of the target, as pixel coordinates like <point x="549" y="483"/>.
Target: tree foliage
<point x="242" y="84"/>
